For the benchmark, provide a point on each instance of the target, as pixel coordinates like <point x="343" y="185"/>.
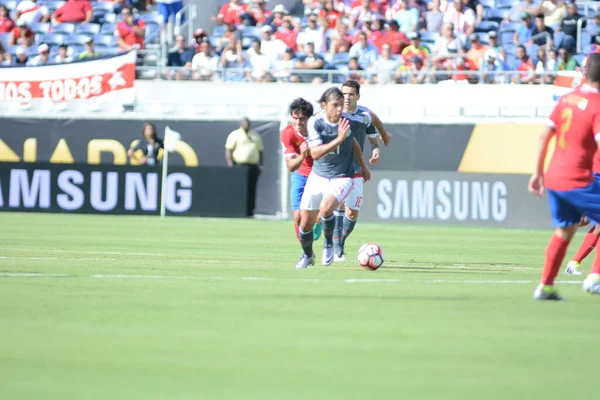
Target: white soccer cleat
<point x="327" y="255"/>
<point x="305" y="261"/>
<point x="339" y="257"/>
<point x="591" y="284"/>
<point x="573" y="268"/>
<point x="547" y="292"/>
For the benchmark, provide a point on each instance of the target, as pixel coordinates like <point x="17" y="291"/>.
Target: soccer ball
<point x="370" y="256"/>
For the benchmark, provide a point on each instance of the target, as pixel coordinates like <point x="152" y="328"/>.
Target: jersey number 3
<point x="567" y="117"/>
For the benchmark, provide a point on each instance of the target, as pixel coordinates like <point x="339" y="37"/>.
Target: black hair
<point x="330" y="94"/>
<point x="301" y="106"/>
<point x="522" y="47"/>
<point x="351" y="83"/>
<point x="146" y="124"/>
<point x="63" y="46"/>
<point x="593" y="68"/>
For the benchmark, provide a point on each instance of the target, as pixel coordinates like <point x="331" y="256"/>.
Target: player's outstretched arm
<point x="386" y="137"/>
<point x="536" y="182"/>
<point x="361" y="161"/>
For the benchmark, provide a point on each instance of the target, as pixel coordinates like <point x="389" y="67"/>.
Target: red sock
<point x="297" y="229"/>
<point x="555" y="253"/>
<point x="589" y="242"/>
<point x="596" y="264"/>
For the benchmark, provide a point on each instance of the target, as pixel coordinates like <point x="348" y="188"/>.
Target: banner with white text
<point x="109" y="78"/>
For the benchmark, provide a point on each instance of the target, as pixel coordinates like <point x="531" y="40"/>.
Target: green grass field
<point x="96" y="307"/>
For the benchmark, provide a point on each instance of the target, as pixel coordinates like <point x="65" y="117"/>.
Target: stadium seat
<point x="155" y="18"/>
<point x="505" y="3"/>
<point x="251" y="31"/>
<point x="54" y="5"/>
<point x="429" y="37"/>
<point x="40" y="27"/>
<point x="75" y="50"/>
<point x="580" y="58"/>
<point x="496" y="15"/>
<point x="484" y="37"/>
<point x="488" y="3"/>
<point x="66" y="28"/>
<point x="107" y="7"/>
<point x="4" y="39"/>
<point x="510" y="48"/>
<point x="487" y="26"/>
<point x="76" y="39"/>
<point x="107" y="27"/>
<point x="341" y="58"/>
<point x="98" y="16"/>
<point x="111" y="18"/>
<point x="105" y="41"/>
<point x="52" y="39"/>
<point x="214" y="41"/>
<point x="510" y="26"/>
<point x="10" y="4"/>
<point x="511" y="59"/>
<point x="506" y="37"/>
<point x="585" y="39"/>
<point x="219" y="31"/>
<point x="247" y="42"/>
<point x="89" y="29"/>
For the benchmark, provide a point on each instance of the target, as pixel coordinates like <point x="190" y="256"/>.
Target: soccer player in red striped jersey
<point x="572" y="190"/>
<point x="591" y="238"/>
<point x="297" y="156"/>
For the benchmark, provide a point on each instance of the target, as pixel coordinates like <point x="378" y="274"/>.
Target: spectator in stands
<point x="276" y="19"/>
<point x="310" y="61"/>
<point x="232" y="59"/>
<point x="257" y="13"/>
<point x="29" y="11"/>
<point x="231" y="13"/>
<point x="492" y="68"/>
<point x="566" y="62"/>
<point x="365" y="52"/>
<point x="421" y="6"/>
<point x="494" y="43"/>
<point x="73" y="11"/>
<point x="568" y="27"/>
<point x="149" y="149"/>
<point x="282" y="69"/>
<point x="415" y="49"/>
<point x="313" y="34"/>
<point x="130" y="32"/>
<point x="21" y="35"/>
<point x="476" y="52"/>
<point x="394" y="37"/>
<point x="554" y="11"/>
<point x="199" y="35"/>
<point x="355" y="72"/>
<point x="340" y="39"/>
<point x="205" y="64"/>
<point x="363" y="13"/>
<point x="524" y="64"/>
<point x="593" y="26"/>
<point x="180" y="58"/>
<point x="544" y="65"/>
<point x="445" y="48"/>
<point x="524" y="31"/>
<point x="63" y="55"/>
<point x="6" y="24"/>
<point x="231" y="35"/>
<point x="434" y="18"/>
<point x="244" y="149"/>
<point x="417" y="71"/>
<point x="21" y="58"/>
<point x="43" y="57"/>
<point x="461" y="17"/>
<point x="477" y="8"/>
<point x="5" y="58"/>
<point x="384" y="68"/>
<point x="520" y="7"/>
<point x="90" y="50"/>
<point x="288" y="32"/>
<point x="169" y="8"/>
<point x="538" y="29"/>
<point x="373" y="31"/>
<point x="329" y="13"/>
<point x="270" y="46"/>
<point x="258" y="64"/>
<point x="406" y="17"/>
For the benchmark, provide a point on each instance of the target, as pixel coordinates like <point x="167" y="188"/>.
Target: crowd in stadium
<point x="372" y="41"/>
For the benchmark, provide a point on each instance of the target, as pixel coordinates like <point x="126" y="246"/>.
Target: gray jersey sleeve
<point x="314" y="131"/>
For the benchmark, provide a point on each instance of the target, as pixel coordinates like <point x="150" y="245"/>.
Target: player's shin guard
<point x="589" y="242"/>
<point x="555" y="253"/>
<point x="347" y="229"/>
<point x="338" y="215"/>
<point x="306" y="241"/>
<point x="328" y="224"/>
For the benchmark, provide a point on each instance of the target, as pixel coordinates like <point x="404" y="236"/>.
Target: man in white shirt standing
<point x="461" y="17"/>
<point x="29" y="11"/>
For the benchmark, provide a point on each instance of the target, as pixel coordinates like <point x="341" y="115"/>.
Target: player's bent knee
<point x="351" y="214"/>
<point x="567" y="232"/>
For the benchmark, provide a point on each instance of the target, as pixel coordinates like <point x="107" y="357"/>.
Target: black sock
<point x="328" y="226"/>
<point x="306" y="241"/>
<point x="337" y="231"/>
<point x="347" y="229"/>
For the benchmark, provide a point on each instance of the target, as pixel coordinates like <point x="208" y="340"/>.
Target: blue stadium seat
<point x="487" y="26"/>
<point x="511" y="59"/>
<point x="488" y="3"/>
<point x="510" y="48"/>
<point x="105" y="41"/>
<point x="341" y="58"/>
<point x="107" y="7"/>
<point x="247" y="42"/>
<point x="496" y="15"/>
<point x="52" y="39"/>
<point x="506" y="37"/>
<point x="40" y="27"/>
<point x="99" y="16"/>
<point x="76" y="49"/>
<point x="219" y="31"/>
<point x="585" y="39"/>
<point x="89" y="29"/>
<point x="155" y="18"/>
<point x="111" y="18"/>
<point x="505" y="3"/>
<point x="510" y="26"/>
<point x="107" y="27"/>
<point x="429" y="37"/>
<point x="484" y="37"/>
<point x="10" y="4"/>
<point x="4" y="39"/>
<point x="251" y="31"/>
<point x="64" y="28"/>
<point x="76" y="39"/>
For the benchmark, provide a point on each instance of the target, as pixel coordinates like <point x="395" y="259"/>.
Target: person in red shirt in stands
<point x="231" y="13"/>
<point x="341" y="40"/>
<point x="21" y="35"/>
<point x="6" y="24"/>
<point x="394" y="37"/>
<point x="130" y="32"/>
<point x="525" y="65"/>
<point x="259" y="12"/>
<point x="73" y="11"/>
<point x="330" y="13"/>
<point x="287" y="33"/>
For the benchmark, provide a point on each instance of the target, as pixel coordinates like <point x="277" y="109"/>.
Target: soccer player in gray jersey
<point x="333" y="149"/>
<point x="362" y="117"/>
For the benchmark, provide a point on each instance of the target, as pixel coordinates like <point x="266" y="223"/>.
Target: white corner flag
<point x="171" y="139"/>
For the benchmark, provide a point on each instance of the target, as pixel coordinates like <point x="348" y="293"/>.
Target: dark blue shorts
<point x="297" y="189"/>
<point x="567" y="207"/>
<point x="167" y="10"/>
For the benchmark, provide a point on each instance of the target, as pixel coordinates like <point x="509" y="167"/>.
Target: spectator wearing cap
<point x="231" y="13"/>
<point x="362" y="13"/>
<point x="257" y="13"/>
<point x="384" y="68"/>
<point x="310" y="61"/>
<point x="258" y="64"/>
<point x="568" y="27"/>
<point x="168" y="8"/>
<point x="340" y="39"/>
<point x="276" y="19"/>
<point x="524" y="31"/>
<point x="364" y="52"/>
<point x="180" y="58"/>
<point x="493" y="39"/>
<point x="462" y="18"/>
<point x="406" y="16"/>
<point x="232" y="59"/>
<point x="476" y="52"/>
<point x="523" y="64"/>
<point x="282" y="69"/>
<point x="21" y="35"/>
<point x="21" y="58"/>
<point x="206" y="63"/>
<point x="270" y="46"/>
<point x="434" y="18"/>
<point x="544" y="65"/>
<point x="414" y="49"/>
<point x="130" y="32"/>
<point x="90" y="50"/>
<point x="288" y="32"/>
<point x="63" y="55"/>
<point x="313" y="33"/>
<point x="29" y="11"/>
<point x="554" y="11"/>
<point x="199" y="36"/>
<point x="394" y="37"/>
<point x="537" y="37"/>
<point x="492" y="68"/>
<point x="43" y="57"/>
<point x="73" y="11"/>
<point x="6" y="24"/>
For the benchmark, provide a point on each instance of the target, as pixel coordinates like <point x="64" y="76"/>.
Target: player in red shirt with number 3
<point x="572" y="190"/>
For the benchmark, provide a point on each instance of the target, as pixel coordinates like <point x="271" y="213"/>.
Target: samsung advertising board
<point x="452" y="198"/>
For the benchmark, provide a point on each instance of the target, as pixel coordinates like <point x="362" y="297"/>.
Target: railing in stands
<point x="191" y="11"/>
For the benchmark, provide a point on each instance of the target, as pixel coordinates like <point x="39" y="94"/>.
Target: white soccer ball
<point x="370" y="256"/>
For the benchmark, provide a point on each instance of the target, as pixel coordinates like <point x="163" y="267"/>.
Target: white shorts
<point x="317" y="187"/>
<point x="355" y="198"/>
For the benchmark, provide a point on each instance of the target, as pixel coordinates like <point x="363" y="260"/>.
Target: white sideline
<point x="58" y="258"/>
